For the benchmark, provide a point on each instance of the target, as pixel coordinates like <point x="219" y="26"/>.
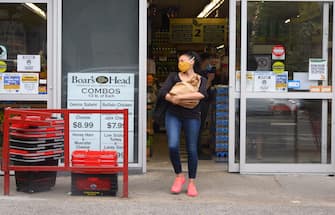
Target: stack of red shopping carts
<point x="36" y="141"/>
<point x="94" y="184"/>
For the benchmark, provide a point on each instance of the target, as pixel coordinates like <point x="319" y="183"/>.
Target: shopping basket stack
<point x="94" y="183"/>
<point x="36" y="141"/>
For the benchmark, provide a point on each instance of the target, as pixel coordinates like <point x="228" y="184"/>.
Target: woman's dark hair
<point x="197" y="60"/>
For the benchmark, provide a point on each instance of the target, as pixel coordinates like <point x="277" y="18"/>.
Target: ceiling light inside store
<point x="287" y="21"/>
<point x="36" y="10"/>
<point x="215" y="4"/>
<point x="220" y="46"/>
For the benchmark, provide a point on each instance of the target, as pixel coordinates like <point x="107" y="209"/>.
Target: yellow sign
<point x="29" y="78"/>
<point x="326" y="89"/>
<point x="278" y="67"/>
<point x="315" y="89"/>
<point x="3" y="66"/>
<point x="207" y="31"/>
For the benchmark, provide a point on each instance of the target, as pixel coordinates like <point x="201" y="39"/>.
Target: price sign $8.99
<point x="82" y="125"/>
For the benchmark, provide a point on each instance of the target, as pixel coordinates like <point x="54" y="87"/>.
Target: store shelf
<point x="23" y="97"/>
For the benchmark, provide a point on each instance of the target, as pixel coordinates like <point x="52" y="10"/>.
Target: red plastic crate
<point x="94" y="158"/>
<point x="94" y="184"/>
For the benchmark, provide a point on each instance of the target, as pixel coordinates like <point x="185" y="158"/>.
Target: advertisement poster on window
<point x="318" y="69"/>
<point x="29" y="63"/>
<point x="101" y="91"/>
<point x="264" y="82"/>
<point x="250" y="81"/>
<point x="282" y="82"/>
<point x="3" y="53"/>
<point x="19" y="83"/>
<point x="278" y="52"/>
<point x="263" y="62"/>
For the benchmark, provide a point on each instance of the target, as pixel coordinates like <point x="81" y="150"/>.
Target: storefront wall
<point x="261" y="141"/>
<point x="280" y="130"/>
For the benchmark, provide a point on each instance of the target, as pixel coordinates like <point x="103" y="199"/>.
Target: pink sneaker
<point x="178" y="185"/>
<point x="192" y="190"/>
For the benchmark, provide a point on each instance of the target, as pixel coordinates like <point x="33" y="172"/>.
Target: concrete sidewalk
<point x="220" y="193"/>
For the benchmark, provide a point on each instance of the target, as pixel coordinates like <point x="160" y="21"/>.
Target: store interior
<point x="174" y="27"/>
<point x="277" y="130"/>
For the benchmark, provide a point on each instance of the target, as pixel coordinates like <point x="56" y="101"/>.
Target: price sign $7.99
<point x="114" y="125"/>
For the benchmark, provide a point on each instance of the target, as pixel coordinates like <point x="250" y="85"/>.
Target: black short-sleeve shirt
<point x="182" y="112"/>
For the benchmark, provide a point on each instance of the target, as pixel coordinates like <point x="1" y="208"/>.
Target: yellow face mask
<point x="184" y="66"/>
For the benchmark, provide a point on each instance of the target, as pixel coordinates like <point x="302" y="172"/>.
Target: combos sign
<point x="102" y="86"/>
<point x="101" y="91"/>
<point x="278" y="52"/>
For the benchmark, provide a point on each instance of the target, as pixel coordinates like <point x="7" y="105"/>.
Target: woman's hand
<point x="174" y="99"/>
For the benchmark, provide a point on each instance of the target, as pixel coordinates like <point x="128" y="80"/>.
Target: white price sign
<point x="318" y="69"/>
<point x="108" y="91"/>
<point x="112" y="122"/>
<point x="84" y="122"/>
<point x="84" y="140"/>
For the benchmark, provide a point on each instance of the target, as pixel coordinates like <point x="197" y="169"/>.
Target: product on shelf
<point x="221" y="123"/>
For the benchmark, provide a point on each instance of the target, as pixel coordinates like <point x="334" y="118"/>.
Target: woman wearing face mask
<point x="178" y="117"/>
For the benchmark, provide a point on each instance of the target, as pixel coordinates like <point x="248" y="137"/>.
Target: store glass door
<point x="285" y="86"/>
<point x="23" y="56"/>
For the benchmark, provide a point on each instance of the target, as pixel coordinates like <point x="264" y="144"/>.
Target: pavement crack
<point x="277" y="182"/>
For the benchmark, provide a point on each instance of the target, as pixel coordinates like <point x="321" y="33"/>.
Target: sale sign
<point x="101" y="131"/>
<point x="278" y="52"/>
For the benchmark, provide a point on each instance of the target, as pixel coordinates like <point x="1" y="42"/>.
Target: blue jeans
<point x="191" y="128"/>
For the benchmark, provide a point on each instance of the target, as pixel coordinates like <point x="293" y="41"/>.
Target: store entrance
<point x="174" y="27"/>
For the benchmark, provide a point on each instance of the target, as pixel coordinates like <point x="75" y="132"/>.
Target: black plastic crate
<point x="94" y="184"/>
<point x="31" y="182"/>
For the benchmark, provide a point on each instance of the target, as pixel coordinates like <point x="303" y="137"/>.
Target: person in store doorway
<point x="207" y="71"/>
<point x="183" y="112"/>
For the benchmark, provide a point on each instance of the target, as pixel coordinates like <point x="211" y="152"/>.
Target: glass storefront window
<point x="285" y="131"/>
<point x="288" y="50"/>
<point x="286" y="42"/>
<point x="23" y="56"/>
<point x="23" y="48"/>
<point x="100" y="39"/>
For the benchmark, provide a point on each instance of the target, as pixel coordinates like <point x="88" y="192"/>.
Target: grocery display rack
<point x="39" y="117"/>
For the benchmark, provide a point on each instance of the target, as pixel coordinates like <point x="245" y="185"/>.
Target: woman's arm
<point x="168" y="84"/>
<point x="201" y="94"/>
